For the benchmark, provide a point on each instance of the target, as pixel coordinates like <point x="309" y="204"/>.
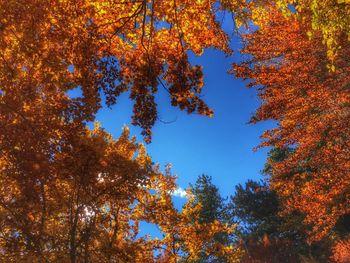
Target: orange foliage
<point x="86" y="201"/>
<point x="71" y="194"/>
<point x="341" y="251"/>
<point x="108" y="46"/>
<point x="311" y="105"/>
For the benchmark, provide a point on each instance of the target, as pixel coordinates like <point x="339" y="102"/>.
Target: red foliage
<point x="268" y="250"/>
<point x="311" y="105"/>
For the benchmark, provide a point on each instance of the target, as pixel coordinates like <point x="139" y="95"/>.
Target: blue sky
<point x="222" y="146"/>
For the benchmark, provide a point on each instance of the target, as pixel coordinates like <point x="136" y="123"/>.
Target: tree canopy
<point x="70" y="193"/>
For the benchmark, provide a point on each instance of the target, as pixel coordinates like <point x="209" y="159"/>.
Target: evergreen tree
<point x="256" y="208"/>
<point x="213" y="209"/>
<point x="267" y="233"/>
<point x="206" y="193"/>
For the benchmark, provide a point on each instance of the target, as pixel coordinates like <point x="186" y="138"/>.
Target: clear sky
<point x="222" y="146"/>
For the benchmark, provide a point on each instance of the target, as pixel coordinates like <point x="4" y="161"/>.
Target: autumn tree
<point x="186" y="236"/>
<point x="328" y="18"/>
<point x="51" y="47"/>
<point x="73" y="194"/>
<point x="311" y="105"/>
<point x="88" y="205"/>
